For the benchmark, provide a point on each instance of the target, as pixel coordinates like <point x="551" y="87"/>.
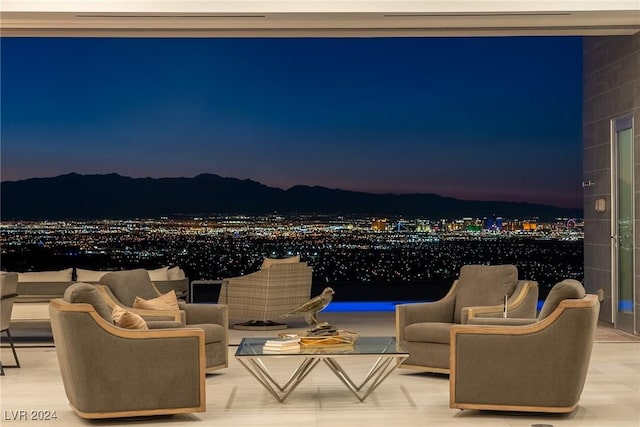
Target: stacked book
<point x="282" y="345"/>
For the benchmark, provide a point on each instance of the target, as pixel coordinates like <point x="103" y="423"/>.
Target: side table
<point x="202" y="283"/>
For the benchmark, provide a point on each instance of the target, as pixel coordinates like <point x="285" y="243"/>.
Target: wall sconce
<point x="601" y="205"/>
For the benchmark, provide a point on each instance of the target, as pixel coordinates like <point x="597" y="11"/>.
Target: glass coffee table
<point x="251" y="355"/>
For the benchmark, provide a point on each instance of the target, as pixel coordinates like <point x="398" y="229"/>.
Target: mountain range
<point x="112" y="196"/>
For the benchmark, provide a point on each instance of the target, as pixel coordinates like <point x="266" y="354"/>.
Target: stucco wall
<point x="611" y="81"/>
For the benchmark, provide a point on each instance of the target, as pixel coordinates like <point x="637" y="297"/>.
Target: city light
<point x="339" y="249"/>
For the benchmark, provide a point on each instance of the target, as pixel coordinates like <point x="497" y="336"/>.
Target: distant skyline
<point x="471" y="118"/>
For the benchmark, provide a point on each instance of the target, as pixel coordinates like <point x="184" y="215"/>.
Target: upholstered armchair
<point x="108" y="371"/>
<point x="259" y="298"/>
<point x="8" y="286"/>
<point x="121" y="288"/>
<point x="480" y="291"/>
<point x="537" y="365"/>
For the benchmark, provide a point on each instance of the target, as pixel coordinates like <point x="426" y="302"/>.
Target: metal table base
<point x="380" y="370"/>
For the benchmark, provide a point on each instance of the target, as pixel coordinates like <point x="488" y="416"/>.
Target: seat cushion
<point x="481" y="285"/>
<point x="212" y="333"/>
<point x="437" y="332"/>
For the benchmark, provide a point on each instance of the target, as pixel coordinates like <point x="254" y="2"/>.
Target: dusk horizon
<point x="284" y="189"/>
<point x="469" y="118"/>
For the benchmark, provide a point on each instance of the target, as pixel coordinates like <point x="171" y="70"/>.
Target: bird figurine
<point x="311" y="308"/>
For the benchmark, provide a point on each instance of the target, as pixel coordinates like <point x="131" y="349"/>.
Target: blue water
<point x="374" y="306"/>
<point x="364" y="306"/>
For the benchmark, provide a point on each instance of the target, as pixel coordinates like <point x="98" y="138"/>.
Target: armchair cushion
<point x="168" y="301"/>
<point x="88" y="294"/>
<point x="129" y="284"/>
<point x="127" y="319"/>
<point x="567" y="289"/>
<point x="481" y="285"/>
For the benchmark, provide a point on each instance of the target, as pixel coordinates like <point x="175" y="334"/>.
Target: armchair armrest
<point x="205" y="313"/>
<point x="164" y="324"/>
<point x="436" y="311"/>
<point x="499" y="321"/>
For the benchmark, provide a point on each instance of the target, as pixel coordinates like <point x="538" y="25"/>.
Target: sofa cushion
<point x="168" y="301"/>
<point x="88" y="294"/>
<point x="567" y="289"/>
<point x="128" y="284"/>
<point x="127" y="319"/>
<point x="176" y="273"/>
<point x="159" y="274"/>
<point x="268" y="262"/>
<point x="428" y="332"/>
<point x="480" y="285"/>
<point x="46" y="276"/>
<point x="83" y="275"/>
<point x="9" y="283"/>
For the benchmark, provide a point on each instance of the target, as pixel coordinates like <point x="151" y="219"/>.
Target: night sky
<point x="473" y="118"/>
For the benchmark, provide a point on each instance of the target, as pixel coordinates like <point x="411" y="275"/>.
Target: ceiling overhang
<point x="347" y="18"/>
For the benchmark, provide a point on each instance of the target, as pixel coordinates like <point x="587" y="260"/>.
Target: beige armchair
<point x="109" y="372"/>
<point x="261" y="297"/>
<point x="423" y="328"/>
<point x="8" y="286"/>
<point x="120" y="288"/>
<point x="537" y="365"/>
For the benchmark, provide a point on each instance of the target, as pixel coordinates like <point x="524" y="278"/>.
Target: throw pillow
<point x="268" y="262"/>
<point x="127" y="319"/>
<point x="168" y="301"/>
<point x="176" y="273"/>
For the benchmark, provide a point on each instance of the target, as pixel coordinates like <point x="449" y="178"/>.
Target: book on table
<point x="282" y="342"/>
<point x="282" y="345"/>
<point x="285" y="350"/>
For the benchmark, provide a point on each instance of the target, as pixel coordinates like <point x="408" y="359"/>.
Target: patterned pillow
<point x="127" y="319"/>
<point x="168" y="301"/>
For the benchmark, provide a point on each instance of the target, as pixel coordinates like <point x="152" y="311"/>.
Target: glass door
<point x="623" y="224"/>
